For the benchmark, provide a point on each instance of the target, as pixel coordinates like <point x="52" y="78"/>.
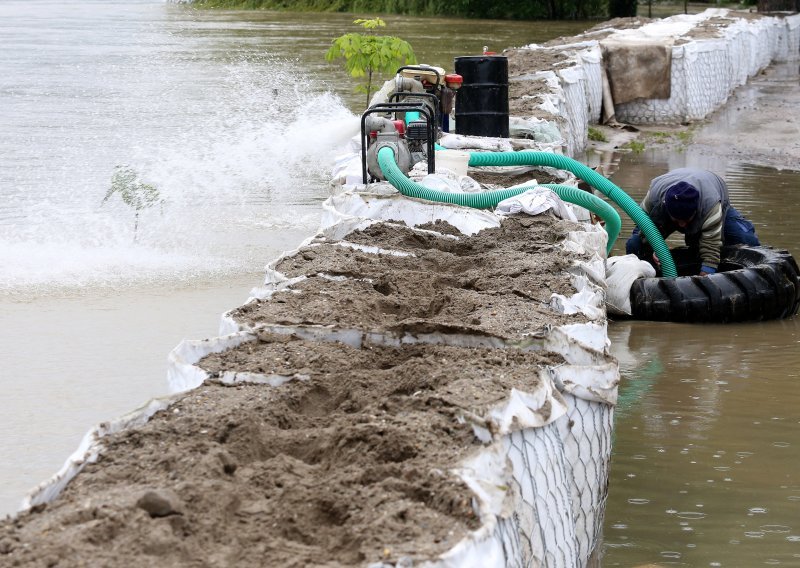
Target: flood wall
<point x="704" y="58"/>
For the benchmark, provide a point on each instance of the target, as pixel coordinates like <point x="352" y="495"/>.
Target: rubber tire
<point x="753" y="283"/>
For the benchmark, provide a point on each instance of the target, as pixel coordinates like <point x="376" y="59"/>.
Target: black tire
<point x="753" y="283"/>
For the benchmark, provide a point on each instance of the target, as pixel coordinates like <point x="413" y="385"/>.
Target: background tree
<point x="366" y="54"/>
<point x="622" y="8"/>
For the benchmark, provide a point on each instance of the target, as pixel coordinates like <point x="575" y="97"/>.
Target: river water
<point x="707" y="430"/>
<point x="235" y="118"/>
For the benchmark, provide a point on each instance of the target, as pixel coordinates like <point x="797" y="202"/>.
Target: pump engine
<point x="411" y="121"/>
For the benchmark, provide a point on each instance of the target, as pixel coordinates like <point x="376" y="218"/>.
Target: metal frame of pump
<point x="412" y="139"/>
<point x="379" y="132"/>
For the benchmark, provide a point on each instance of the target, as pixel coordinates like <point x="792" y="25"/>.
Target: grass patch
<point x="597" y="135"/>
<point x="635" y="146"/>
<point x="675" y="137"/>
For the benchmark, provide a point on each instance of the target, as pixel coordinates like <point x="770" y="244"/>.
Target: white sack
<point x="535" y="201"/>
<point x="621" y="271"/>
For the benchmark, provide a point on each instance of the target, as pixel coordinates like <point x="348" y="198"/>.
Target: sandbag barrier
<point x="563" y="459"/>
<point x="544" y="445"/>
<point x="704" y="72"/>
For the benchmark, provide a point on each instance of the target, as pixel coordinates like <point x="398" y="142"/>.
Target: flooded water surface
<point x="707" y="430"/>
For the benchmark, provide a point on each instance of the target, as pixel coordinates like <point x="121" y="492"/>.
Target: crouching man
<point x="693" y="202"/>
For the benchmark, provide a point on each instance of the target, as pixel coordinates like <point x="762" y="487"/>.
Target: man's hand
<point x="706" y="270"/>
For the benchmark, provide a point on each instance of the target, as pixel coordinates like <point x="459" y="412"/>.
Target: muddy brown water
<point x="707" y="430"/>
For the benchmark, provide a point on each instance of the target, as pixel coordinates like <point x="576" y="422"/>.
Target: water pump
<point x="410" y="122"/>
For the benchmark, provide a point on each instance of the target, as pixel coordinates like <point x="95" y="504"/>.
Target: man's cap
<point x="681" y="201"/>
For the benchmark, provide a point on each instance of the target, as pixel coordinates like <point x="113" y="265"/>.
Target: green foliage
<point x="596" y="135"/>
<point x="498" y="10"/>
<point x="366" y="54"/>
<point x="133" y="191"/>
<point x="635" y="146"/>
<point x="681" y="137"/>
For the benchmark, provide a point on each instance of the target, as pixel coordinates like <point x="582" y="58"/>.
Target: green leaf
<point x="367" y="54"/>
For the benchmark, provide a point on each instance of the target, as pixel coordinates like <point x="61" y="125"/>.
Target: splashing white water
<point x="240" y="153"/>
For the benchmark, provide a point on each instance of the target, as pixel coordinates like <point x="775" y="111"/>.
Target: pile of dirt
<point x="350" y="460"/>
<point x="524" y="61"/>
<point x="526" y="96"/>
<point x="604" y="29"/>
<point x="497" y="283"/>
<point x="502" y="177"/>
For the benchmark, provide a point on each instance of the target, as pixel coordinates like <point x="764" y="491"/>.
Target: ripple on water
<point x="691" y="515"/>
<point x="775" y="528"/>
<point x="638" y="501"/>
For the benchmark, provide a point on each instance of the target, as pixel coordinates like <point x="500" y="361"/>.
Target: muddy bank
<point x="757" y="125"/>
<point x="353" y="459"/>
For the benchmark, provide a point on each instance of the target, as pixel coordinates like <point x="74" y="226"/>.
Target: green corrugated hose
<point x="492" y="198"/>
<point x="484" y="200"/>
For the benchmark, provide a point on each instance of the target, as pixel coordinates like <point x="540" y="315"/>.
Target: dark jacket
<point x="707" y="224"/>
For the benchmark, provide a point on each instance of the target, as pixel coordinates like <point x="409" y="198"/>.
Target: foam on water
<point x="239" y="151"/>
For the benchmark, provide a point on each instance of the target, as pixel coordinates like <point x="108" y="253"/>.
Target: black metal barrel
<point x="482" y="100"/>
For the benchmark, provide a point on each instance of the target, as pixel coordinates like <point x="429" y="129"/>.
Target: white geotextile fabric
<point x="90" y="448"/>
<point x="488" y="144"/>
<point x="621" y="272"/>
<point x="537" y="129"/>
<point x="350" y="211"/>
<point x="535" y="201"/>
<point x="443" y="180"/>
<point x="587" y="274"/>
